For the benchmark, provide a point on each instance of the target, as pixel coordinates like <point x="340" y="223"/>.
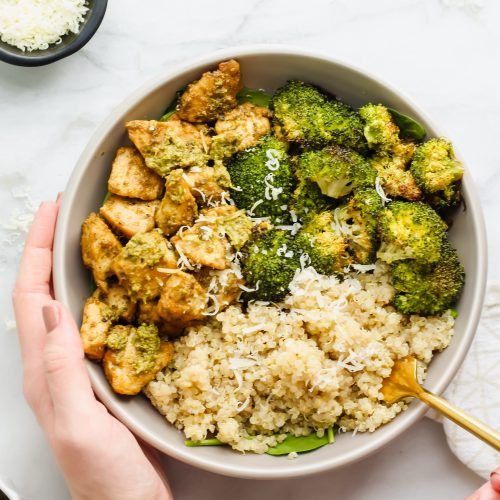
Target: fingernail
<point x="59" y="196"/>
<point x="494" y="474"/>
<point x="50" y="315"/>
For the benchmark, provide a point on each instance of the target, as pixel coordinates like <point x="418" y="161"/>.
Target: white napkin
<point x="476" y="389"/>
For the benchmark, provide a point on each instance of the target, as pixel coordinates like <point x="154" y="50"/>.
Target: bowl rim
<point x="417" y="409"/>
<point x="81" y="39"/>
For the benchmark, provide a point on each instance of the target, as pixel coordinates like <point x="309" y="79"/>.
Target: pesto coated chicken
<point x="232" y="192"/>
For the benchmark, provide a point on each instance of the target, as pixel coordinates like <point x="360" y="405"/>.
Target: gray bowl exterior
<point x="268" y="68"/>
<point x="70" y="43"/>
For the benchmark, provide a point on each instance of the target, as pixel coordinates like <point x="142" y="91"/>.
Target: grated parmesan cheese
<point x="43" y="22"/>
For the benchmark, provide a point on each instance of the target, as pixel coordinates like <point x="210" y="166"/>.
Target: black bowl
<point x="69" y="45"/>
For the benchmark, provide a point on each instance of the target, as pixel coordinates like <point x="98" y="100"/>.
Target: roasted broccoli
<point x="262" y="180"/>
<point x="336" y="170"/>
<point x="325" y="245"/>
<point x="438" y="172"/>
<point x="310" y="117"/>
<point x="268" y="264"/>
<point x="307" y="199"/>
<point x="410" y="231"/>
<point x="361" y="217"/>
<point x="380" y="130"/>
<point x="392" y="167"/>
<point x="428" y="289"/>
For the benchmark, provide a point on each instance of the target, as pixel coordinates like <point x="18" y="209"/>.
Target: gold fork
<point x="402" y="383"/>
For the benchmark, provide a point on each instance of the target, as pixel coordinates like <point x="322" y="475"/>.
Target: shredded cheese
<point x="36" y="24"/>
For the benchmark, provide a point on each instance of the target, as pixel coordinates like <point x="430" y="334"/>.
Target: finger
<point x="495" y="480"/>
<point x="36" y="262"/>
<point x="31" y="292"/>
<point x="67" y="378"/>
<point x="486" y="492"/>
<point x="153" y="456"/>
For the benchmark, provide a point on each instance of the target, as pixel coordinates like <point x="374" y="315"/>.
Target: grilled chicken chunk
<point x="223" y="285"/>
<point x="239" y="129"/>
<point x="99" y="247"/>
<point x="148" y="313"/>
<point x="203" y="244"/>
<point x="134" y="357"/>
<point x="183" y="300"/>
<point x="170" y="144"/>
<point x="99" y="312"/>
<point x="130" y="177"/>
<point x="203" y="184"/>
<point x="139" y="265"/>
<point x="128" y="216"/>
<point x="212" y="95"/>
<point x="178" y="207"/>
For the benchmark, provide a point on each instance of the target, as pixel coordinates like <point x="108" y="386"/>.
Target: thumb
<point x="495" y="480"/>
<point x="65" y="371"/>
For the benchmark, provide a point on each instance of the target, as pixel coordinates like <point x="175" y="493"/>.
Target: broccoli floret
<point x="380" y="130"/>
<point x="307" y="199"/>
<point x="410" y="231"/>
<point x="325" y="245"/>
<point x="428" y="289"/>
<point x="262" y="179"/>
<point x="392" y="167"/>
<point x="450" y="197"/>
<point x="308" y="116"/>
<point x="336" y="170"/>
<point x="437" y="172"/>
<point x="268" y="264"/>
<point x="361" y="216"/>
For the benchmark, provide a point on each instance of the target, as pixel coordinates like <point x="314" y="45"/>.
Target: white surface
<point x="476" y="389"/>
<point x="440" y="53"/>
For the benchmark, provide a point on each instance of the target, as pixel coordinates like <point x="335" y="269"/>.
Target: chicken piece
<point x="178" y="207"/>
<point x="183" y="300"/>
<point x="130" y="177"/>
<point x="240" y="129"/>
<point x="203" y="244"/>
<point x="140" y="263"/>
<point x="129" y="217"/>
<point x="120" y="304"/>
<point x="213" y="213"/>
<point x="230" y="221"/>
<point x="224" y="285"/>
<point x="99" y="247"/>
<point x="96" y="324"/>
<point x="203" y="184"/>
<point x="148" y="313"/>
<point x="212" y="95"/>
<point x="134" y="357"/>
<point x="99" y="313"/>
<point x="170" y="144"/>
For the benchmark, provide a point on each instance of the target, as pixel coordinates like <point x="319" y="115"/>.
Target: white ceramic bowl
<point x="268" y="68"/>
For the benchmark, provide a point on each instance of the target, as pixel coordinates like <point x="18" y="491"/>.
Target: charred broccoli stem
<point x="336" y="170"/>
<point x="428" y="289"/>
<point x="325" y="246"/>
<point x="410" y="231"/>
<point x="262" y="180"/>
<point x="310" y="117"/>
<point x="269" y="262"/>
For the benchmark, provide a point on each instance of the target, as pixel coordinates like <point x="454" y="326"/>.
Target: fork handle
<point x="461" y="418"/>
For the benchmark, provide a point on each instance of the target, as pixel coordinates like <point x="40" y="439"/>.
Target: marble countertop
<point x="443" y="53"/>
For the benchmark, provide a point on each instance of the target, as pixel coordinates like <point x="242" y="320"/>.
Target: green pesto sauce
<point x="147" y="344"/>
<point x="146" y="248"/>
<point x="238" y="228"/>
<point x="174" y="153"/>
<point x="117" y="339"/>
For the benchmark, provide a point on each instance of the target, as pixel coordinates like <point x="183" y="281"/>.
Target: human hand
<point x="489" y="490"/>
<point x="99" y="457"/>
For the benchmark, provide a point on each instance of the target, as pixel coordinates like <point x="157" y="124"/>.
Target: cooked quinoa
<point x="314" y="360"/>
